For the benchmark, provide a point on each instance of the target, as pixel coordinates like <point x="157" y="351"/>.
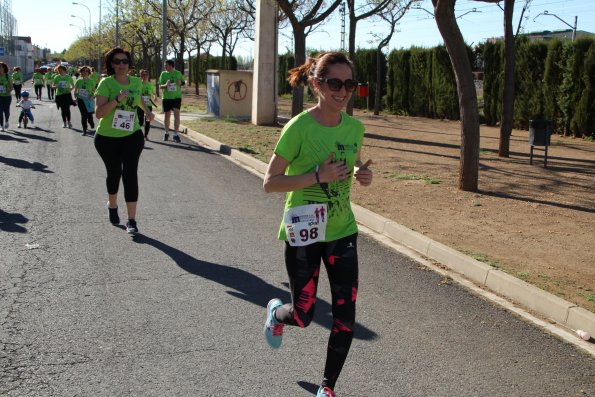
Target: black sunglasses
<point x="336" y="84"/>
<point x="117" y="61"/>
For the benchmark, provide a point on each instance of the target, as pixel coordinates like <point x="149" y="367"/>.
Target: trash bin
<point x="540" y="132"/>
<point x="362" y="89"/>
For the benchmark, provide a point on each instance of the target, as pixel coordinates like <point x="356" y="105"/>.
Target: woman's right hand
<point x="330" y="172"/>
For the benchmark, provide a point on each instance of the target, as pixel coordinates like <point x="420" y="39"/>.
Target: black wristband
<point x="116" y="98"/>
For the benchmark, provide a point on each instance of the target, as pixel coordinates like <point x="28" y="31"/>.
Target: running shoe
<point x="19" y="126"/>
<point x="325" y="392"/>
<point x="114" y="218"/>
<point x="273" y="330"/>
<point x="63" y="125"/>
<point x="69" y="124"/>
<point x="177" y="138"/>
<point x="2" y="128"/>
<point x="131" y="226"/>
<point x="6" y="124"/>
<point x="165" y="136"/>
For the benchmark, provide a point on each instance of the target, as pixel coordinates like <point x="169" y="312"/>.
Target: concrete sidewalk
<point x="552" y="313"/>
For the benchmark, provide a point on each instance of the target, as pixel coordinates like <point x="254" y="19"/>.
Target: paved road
<point x="178" y="311"/>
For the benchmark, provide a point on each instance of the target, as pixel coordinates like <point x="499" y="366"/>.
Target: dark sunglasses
<point x="117" y="61"/>
<point x="336" y="84"/>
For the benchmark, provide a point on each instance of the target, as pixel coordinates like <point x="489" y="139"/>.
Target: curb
<point x="519" y="292"/>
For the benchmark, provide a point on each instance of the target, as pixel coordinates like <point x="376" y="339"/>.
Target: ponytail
<point x="301" y="75"/>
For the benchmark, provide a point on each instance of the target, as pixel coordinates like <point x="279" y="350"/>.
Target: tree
<point x="457" y="51"/>
<point x="506" y="120"/>
<point x="302" y="15"/>
<point x="391" y="15"/>
<point x="371" y="7"/>
<point x="229" y="24"/>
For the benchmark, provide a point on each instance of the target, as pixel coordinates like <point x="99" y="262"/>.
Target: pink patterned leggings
<point x="303" y="267"/>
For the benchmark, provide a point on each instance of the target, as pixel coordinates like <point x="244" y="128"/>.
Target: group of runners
<point x="62" y="82"/>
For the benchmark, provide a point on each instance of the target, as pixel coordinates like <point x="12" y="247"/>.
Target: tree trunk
<point x="508" y="94"/>
<point x="197" y="72"/>
<point x="378" y="91"/>
<point x="457" y="51"/>
<point x="297" y="100"/>
<point x="351" y="40"/>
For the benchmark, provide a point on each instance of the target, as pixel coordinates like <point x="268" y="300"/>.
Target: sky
<point x="50" y="26"/>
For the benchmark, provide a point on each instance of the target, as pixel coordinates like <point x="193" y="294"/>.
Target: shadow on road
<point x="18" y="163"/>
<point x="245" y="285"/>
<point x="8" y="222"/>
<point x="33" y="136"/>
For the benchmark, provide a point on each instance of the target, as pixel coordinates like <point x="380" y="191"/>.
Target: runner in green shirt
<point x="63" y="84"/>
<point x="48" y="77"/>
<point x="84" y="92"/>
<point x="315" y="161"/>
<point x="37" y="83"/>
<point x="170" y="82"/>
<point x="119" y="139"/>
<point x="17" y="81"/>
<point x="148" y="97"/>
<point x="5" y="96"/>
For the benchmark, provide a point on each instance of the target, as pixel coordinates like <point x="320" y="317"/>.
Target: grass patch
<point x="476" y="204"/>
<point x="413" y="177"/>
<point x="522" y="275"/>
<point x="485" y="259"/>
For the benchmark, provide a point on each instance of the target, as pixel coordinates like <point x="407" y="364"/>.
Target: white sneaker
<point x="63" y="125"/>
<point x="19" y="125"/>
<point x="1" y="128"/>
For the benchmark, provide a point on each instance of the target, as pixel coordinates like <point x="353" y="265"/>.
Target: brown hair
<point x="109" y="56"/>
<point x="4" y="66"/>
<point x="316" y="68"/>
<point x="57" y="68"/>
<point x="87" y="68"/>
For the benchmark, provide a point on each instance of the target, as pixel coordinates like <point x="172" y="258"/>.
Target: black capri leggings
<point x="121" y="156"/>
<point x="64" y="102"/>
<point x="303" y="268"/>
<point x="4" y="108"/>
<point x="86" y="116"/>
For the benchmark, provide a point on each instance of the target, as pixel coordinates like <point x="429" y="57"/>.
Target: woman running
<point x="148" y="95"/>
<point x="119" y="139"/>
<point x="17" y="82"/>
<point x="5" y="96"/>
<point x="314" y="161"/>
<point x="48" y="77"/>
<point x="63" y="84"/>
<point x="37" y="83"/>
<point x="84" y="90"/>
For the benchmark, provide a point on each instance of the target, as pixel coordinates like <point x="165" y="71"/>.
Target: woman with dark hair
<point x="17" y="81"/>
<point x="314" y="162"/>
<point x="5" y="96"/>
<point x="64" y="84"/>
<point x="37" y="83"/>
<point x="84" y="90"/>
<point x="119" y="139"/>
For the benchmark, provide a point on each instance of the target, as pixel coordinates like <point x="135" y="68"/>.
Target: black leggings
<point x="144" y="122"/>
<point x="303" y="268"/>
<point x="64" y="102"/>
<point x="50" y="90"/>
<point x="4" y="108"/>
<point x="86" y="116"/>
<point x="17" y="91"/>
<point x="121" y="156"/>
<point x="38" y="89"/>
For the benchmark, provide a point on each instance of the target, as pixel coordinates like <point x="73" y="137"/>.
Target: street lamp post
<point x="563" y="21"/>
<point x="85" y="23"/>
<point x="80" y="4"/>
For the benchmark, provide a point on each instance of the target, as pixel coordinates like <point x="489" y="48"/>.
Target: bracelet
<point x="317" y="177"/>
<point x="116" y="98"/>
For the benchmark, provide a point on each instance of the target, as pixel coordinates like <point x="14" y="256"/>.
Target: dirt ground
<point x="535" y="223"/>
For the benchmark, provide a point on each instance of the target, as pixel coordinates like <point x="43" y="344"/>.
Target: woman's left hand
<point x="363" y="174"/>
<point x="150" y="116"/>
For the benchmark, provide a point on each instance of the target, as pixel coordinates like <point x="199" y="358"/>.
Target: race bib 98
<point x="306" y="224"/>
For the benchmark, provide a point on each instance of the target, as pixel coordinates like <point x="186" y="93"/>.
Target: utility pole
<point x="566" y="23"/>
<point x="117" y="23"/>
<point x="342" y="12"/>
<point x="164" y="32"/>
